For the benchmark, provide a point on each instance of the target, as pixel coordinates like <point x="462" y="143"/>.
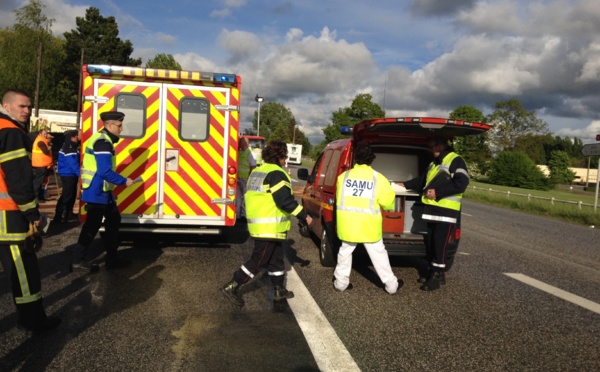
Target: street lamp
<point x="294" y="136"/>
<point x="259" y="100"/>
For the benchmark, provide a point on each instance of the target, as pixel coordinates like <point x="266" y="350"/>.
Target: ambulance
<point x="179" y="142"/>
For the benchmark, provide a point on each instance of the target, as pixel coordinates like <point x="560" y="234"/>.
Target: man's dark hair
<point x="438" y="140"/>
<point x="274" y="151"/>
<point x="9" y="94"/>
<point x="363" y="154"/>
<point x="70" y="134"/>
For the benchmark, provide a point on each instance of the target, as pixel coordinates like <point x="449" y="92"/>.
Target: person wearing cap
<point x="98" y="179"/>
<point x="41" y="160"/>
<point x="19" y="210"/>
<point x="68" y="169"/>
<point x="441" y="190"/>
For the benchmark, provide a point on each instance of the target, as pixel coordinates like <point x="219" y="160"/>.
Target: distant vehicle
<point x="294" y="155"/>
<point x="400" y="146"/>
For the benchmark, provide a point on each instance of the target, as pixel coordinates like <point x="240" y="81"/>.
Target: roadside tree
<point x="515" y="168"/>
<point x="97" y="39"/>
<point x="474" y="149"/>
<point x="511" y="121"/>
<point x="559" y="168"/>
<point x="162" y="60"/>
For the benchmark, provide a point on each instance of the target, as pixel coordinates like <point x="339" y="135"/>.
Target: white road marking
<point x="585" y="303"/>
<point x="466" y="214"/>
<point x="464" y="253"/>
<point x="327" y="348"/>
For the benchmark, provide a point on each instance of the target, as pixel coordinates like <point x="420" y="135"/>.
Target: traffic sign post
<point x="593" y="149"/>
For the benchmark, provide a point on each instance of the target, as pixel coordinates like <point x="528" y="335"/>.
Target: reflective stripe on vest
<point x="38" y="158"/>
<point x="6" y="202"/>
<point x="89" y="166"/>
<point x="450" y="202"/>
<point x="244" y="164"/>
<point x="265" y="219"/>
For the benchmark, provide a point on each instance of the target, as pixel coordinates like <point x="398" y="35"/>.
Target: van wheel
<point x="326" y="250"/>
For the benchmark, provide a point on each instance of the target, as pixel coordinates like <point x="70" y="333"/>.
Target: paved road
<point x="523" y="295"/>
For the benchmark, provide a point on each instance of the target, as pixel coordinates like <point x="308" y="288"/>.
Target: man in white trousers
<point x="361" y="193"/>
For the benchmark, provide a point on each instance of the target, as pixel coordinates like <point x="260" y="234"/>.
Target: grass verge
<point x="566" y="212"/>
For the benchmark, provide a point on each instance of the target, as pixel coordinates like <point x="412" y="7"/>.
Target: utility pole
<point x="79" y="91"/>
<point x="36" y="96"/>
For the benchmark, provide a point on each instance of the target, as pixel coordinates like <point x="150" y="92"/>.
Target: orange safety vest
<point x="6" y="202"/>
<point x="38" y="158"/>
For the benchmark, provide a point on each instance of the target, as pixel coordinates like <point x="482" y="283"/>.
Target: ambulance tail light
<point x="457" y="234"/>
<point x="231" y="179"/>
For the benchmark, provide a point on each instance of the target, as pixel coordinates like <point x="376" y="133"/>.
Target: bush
<point x="516" y="169"/>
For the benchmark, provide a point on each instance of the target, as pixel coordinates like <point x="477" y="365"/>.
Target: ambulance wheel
<point x="326" y="250"/>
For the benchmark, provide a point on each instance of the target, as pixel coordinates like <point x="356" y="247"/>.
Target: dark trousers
<point x="112" y="219"/>
<point x="26" y="283"/>
<point x="266" y="253"/>
<point x="439" y="235"/>
<point x="67" y="196"/>
<point x="39" y="173"/>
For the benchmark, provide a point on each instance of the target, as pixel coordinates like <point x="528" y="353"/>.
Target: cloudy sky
<point x="415" y="57"/>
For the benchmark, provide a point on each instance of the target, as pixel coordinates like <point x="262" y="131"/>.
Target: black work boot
<point x="280" y="293"/>
<point x="230" y="291"/>
<point x="116" y="262"/>
<point x="435" y="280"/>
<point x="33" y="318"/>
<point x="83" y="267"/>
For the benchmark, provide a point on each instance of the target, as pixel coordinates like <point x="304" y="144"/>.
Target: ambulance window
<point x="134" y="108"/>
<point x="194" y="120"/>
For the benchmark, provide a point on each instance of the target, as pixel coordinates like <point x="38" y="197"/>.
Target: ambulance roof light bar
<point x="163" y="73"/>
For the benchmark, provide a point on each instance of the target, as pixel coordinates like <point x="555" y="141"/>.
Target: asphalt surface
<point x="164" y="313"/>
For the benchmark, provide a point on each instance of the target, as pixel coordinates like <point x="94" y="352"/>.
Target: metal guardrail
<point x="552" y="200"/>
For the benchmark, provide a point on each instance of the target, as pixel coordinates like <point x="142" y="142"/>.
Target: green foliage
<point x="362" y="108"/>
<point x="559" y="168"/>
<point x="98" y="38"/>
<point x="473" y="149"/>
<point x="533" y="145"/>
<point x="272" y="115"/>
<point x="512" y="121"/>
<point x="162" y="60"/>
<point x="515" y="168"/>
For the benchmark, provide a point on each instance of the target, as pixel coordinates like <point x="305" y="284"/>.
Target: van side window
<point x="324" y="167"/>
<point x="134" y="107"/>
<point x="332" y="168"/>
<point x="313" y="174"/>
<point x="194" y="119"/>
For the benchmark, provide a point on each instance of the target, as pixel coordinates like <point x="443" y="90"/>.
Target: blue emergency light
<point x="103" y="69"/>
<point x="346" y="131"/>
<point x="224" y="78"/>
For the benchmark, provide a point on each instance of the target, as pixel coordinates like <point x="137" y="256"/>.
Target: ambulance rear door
<point x="178" y="145"/>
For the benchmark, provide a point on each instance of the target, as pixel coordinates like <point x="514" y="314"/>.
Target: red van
<point x="400" y="146"/>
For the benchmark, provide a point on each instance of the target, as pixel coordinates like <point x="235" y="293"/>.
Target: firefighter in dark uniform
<point x="19" y="209"/>
<point x="443" y="186"/>
<point x="98" y="179"/>
<point x="269" y="205"/>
